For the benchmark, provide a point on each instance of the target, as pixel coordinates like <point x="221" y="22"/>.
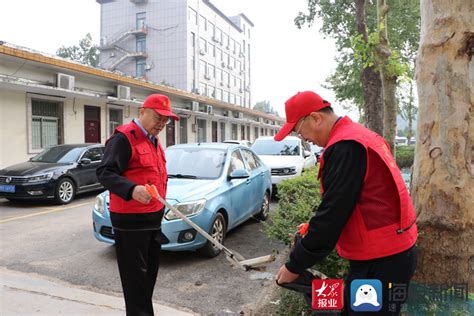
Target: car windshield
<point x="272" y="147"/>
<point x="194" y="163"/>
<point x="59" y="154"/>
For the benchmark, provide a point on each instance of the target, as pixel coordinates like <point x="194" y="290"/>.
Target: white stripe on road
<point x="50" y="210"/>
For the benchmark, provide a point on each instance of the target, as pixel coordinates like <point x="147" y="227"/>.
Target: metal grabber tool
<point x="233" y="257"/>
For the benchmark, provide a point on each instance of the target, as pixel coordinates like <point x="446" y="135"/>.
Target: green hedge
<point x="298" y="198"/>
<point x="404" y="156"/>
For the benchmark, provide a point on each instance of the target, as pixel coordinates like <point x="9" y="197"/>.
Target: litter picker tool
<point x="233" y="257"/>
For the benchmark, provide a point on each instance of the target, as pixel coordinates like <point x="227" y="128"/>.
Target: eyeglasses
<point x="162" y="120"/>
<point x="299" y="127"/>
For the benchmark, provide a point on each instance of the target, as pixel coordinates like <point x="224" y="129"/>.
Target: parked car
<point x="218" y="186"/>
<point x="317" y="151"/>
<point x="287" y="158"/>
<point x="59" y="172"/>
<point x="240" y="142"/>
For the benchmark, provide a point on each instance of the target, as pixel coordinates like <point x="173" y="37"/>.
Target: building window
<point x="225" y="96"/>
<point x="202" y="44"/>
<point x="141" y="16"/>
<point x="141" y="44"/>
<point x="255" y="131"/>
<point x="211" y="91"/>
<point x="210" y="28"/>
<point x="183" y="130"/>
<point x="193" y="40"/>
<point x="193" y="16"/>
<point x="202" y="23"/>
<point x="141" y="67"/>
<point x="242" y="132"/>
<point x="222" y="131"/>
<point x="46" y="123"/>
<point x="202" y="88"/>
<point x="234" y="131"/>
<point x="219" y="34"/>
<point x="219" y="94"/>
<point x="212" y="48"/>
<point x="115" y="119"/>
<point x="202" y="68"/>
<point x="248" y="132"/>
<point x="201" y="137"/>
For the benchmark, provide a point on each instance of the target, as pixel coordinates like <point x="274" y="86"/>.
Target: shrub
<point x="298" y="198"/>
<point x="404" y="156"/>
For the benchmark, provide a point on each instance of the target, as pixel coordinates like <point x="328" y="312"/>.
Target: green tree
<point x="86" y="53"/>
<point x="353" y="25"/>
<point x="265" y="106"/>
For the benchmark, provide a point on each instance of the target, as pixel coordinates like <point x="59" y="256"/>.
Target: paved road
<point x="57" y="242"/>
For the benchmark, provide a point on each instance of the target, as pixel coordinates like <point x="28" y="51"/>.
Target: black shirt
<point x="345" y="165"/>
<point x="114" y="162"/>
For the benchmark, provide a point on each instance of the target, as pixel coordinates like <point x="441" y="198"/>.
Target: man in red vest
<point x="365" y="212"/>
<point x="134" y="158"/>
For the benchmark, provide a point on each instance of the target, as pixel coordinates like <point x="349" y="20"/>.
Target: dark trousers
<point x="398" y="268"/>
<point x="138" y="257"/>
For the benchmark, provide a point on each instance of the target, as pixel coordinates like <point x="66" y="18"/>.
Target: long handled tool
<point x="232" y="256"/>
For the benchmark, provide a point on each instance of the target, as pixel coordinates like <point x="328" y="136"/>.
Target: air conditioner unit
<point x="65" y="81"/>
<point x="241" y="115"/>
<point x="215" y="39"/>
<point x="148" y="67"/>
<point x="202" y="52"/>
<point x="228" y="85"/>
<point x="196" y="91"/>
<point x="241" y="54"/>
<point x="241" y="72"/>
<point x="241" y="90"/>
<point x="210" y="110"/>
<point x="260" y="119"/>
<point x="226" y="113"/>
<point x="223" y="64"/>
<point x="207" y="77"/>
<point x="195" y="106"/>
<point x="123" y="92"/>
<point x="227" y="47"/>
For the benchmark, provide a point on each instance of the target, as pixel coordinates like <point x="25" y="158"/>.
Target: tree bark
<point x="443" y="176"/>
<point x="389" y="81"/>
<point x="371" y="82"/>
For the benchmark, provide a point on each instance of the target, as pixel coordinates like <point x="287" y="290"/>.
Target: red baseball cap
<point x="298" y="106"/>
<point x="161" y="104"/>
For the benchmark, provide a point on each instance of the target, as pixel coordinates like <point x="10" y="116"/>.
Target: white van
<point x="286" y="159"/>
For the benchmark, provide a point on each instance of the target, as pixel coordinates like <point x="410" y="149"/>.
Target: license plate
<point x="7" y="188"/>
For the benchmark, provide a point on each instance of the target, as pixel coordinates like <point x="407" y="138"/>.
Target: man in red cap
<point x="133" y="158"/>
<point x="365" y="212"/>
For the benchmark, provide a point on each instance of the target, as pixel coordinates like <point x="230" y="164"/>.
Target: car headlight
<point x="187" y="209"/>
<point x="40" y="177"/>
<point x="99" y="204"/>
<point x="289" y="171"/>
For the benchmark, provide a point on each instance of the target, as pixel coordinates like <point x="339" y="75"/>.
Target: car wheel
<point x="218" y="230"/>
<point x="65" y="191"/>
<point x="265" y="210"/>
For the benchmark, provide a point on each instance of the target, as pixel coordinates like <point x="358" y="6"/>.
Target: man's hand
<point x="141" y="195"/>
<point x="285" y="276"/>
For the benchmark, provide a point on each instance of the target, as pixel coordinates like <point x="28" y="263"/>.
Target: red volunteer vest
<point x="383" y="222"/>
<point x="147" y="165"/>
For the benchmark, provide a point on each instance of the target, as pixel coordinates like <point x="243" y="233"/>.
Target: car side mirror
<point x="306" y="153"/>
<point x="85" y="161"/>
<point x="239" y="174"/>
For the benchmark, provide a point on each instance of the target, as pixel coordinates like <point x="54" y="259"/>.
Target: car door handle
<point x="262" y="174"/>
<point x="248" y="181"/>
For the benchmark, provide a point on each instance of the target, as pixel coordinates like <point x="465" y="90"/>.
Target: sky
<point x="285" y="59"/>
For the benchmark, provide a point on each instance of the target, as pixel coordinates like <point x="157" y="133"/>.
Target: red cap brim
<point x="284" y="131"/>
<point x="167" y="113"/>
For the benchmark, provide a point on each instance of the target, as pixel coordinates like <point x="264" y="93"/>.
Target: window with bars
<point x="222" y="131"/>
<point x="183" y="130"/>
<point x="46" y="123"/>
<point x="115" y="119"/>
<point x="201" y="131"/>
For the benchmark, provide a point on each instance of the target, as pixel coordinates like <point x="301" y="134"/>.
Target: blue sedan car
<point x="217" y="185"/>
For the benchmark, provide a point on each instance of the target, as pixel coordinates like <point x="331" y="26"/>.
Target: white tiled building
<point x="188" y="44"/>
<point x="46" y="100"/>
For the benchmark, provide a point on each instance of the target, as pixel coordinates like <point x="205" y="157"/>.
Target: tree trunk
<point x="410" y="112"/>
<point x="371" y="83"/>
<point x="389" y="81"/>
<point x="443" y="177"/>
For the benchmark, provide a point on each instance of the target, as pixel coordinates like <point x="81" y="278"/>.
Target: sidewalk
<point x="26" y="294"/>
